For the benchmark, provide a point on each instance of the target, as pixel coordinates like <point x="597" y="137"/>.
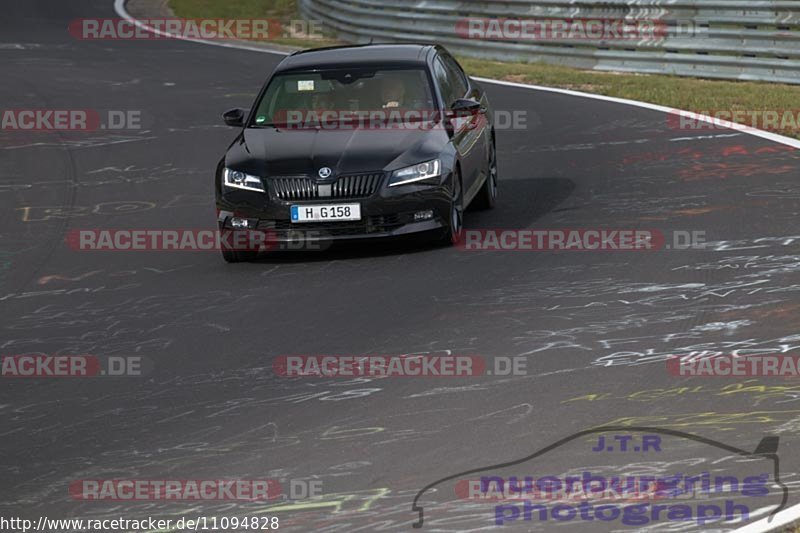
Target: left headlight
<point x="239" y="180"/>
<point x="419" y="172"/>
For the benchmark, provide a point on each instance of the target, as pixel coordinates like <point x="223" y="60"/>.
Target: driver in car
<point x="392" y="93"/>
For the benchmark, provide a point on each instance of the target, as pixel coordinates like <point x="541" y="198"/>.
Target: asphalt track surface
<point x="594" y="327"/>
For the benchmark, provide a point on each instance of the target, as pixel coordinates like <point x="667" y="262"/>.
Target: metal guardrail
<point x="727" y="39"/>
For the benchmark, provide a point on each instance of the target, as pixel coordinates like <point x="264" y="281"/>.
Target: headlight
<point x="418" y="172"/>
<point x="240" y="180"/>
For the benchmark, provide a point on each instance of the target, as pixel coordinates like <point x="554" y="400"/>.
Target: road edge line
<point x="782" y="519"/>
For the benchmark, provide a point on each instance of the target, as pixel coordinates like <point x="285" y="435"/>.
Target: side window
<point x="459" y="79"/>
<point x="445" y="82"/>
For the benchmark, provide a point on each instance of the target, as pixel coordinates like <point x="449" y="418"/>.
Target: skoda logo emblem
<point x="325" y="172"/>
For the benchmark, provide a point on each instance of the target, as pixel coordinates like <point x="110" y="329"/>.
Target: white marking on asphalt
<point x="704" y="137"/>
<point x="771" y="523"/>
<point x="75" y="144"/>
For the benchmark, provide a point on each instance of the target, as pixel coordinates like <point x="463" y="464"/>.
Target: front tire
<point x="455" y="223"/>
<point x="232" y="255"/>
<point x="238" y="257"/>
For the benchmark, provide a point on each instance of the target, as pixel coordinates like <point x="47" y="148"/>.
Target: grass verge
<point x="691" y="94"/>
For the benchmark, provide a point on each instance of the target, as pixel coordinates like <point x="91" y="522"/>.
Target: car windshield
<point x="300" y="98"/>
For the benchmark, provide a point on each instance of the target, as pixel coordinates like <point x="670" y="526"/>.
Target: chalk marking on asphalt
<point x="704" y="137"/>
<point x="75" y="144"/>
<point x="119" y="7"/>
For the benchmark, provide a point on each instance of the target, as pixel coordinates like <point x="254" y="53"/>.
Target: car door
<point x="472" y="131"/>
<point x="461" y="136"/>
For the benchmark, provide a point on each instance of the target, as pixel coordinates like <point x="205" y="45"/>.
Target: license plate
<point x="324" y="213"/>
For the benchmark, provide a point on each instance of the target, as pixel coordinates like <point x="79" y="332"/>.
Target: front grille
<point x="345" y="187"/>
<point x="357" y="186"/>
<point x="299" y="188"/>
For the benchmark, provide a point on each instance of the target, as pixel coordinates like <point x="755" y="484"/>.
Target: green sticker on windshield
<point x="260" y="119"/>
<point x="305" y="85"/>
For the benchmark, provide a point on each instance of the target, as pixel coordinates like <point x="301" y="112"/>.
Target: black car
<point x="358" y="142"/>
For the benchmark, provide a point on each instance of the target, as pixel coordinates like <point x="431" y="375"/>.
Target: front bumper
<point x="388" y="212"/>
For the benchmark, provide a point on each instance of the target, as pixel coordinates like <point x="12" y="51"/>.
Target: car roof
<point x="353" y="55"/>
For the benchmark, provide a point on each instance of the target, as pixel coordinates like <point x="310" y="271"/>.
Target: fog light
<point x="242" y="223"/>
<point x="423" y="215"/>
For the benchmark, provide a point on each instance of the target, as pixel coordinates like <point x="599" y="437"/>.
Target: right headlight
<point x="239" y="180"/>
<point x="429" y="170"/>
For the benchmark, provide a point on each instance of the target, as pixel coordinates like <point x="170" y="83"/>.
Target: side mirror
<point x="234" y="117"/>
<point x="466" y="106"/>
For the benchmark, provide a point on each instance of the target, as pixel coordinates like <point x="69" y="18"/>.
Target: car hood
<point x="275" y="152"/>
